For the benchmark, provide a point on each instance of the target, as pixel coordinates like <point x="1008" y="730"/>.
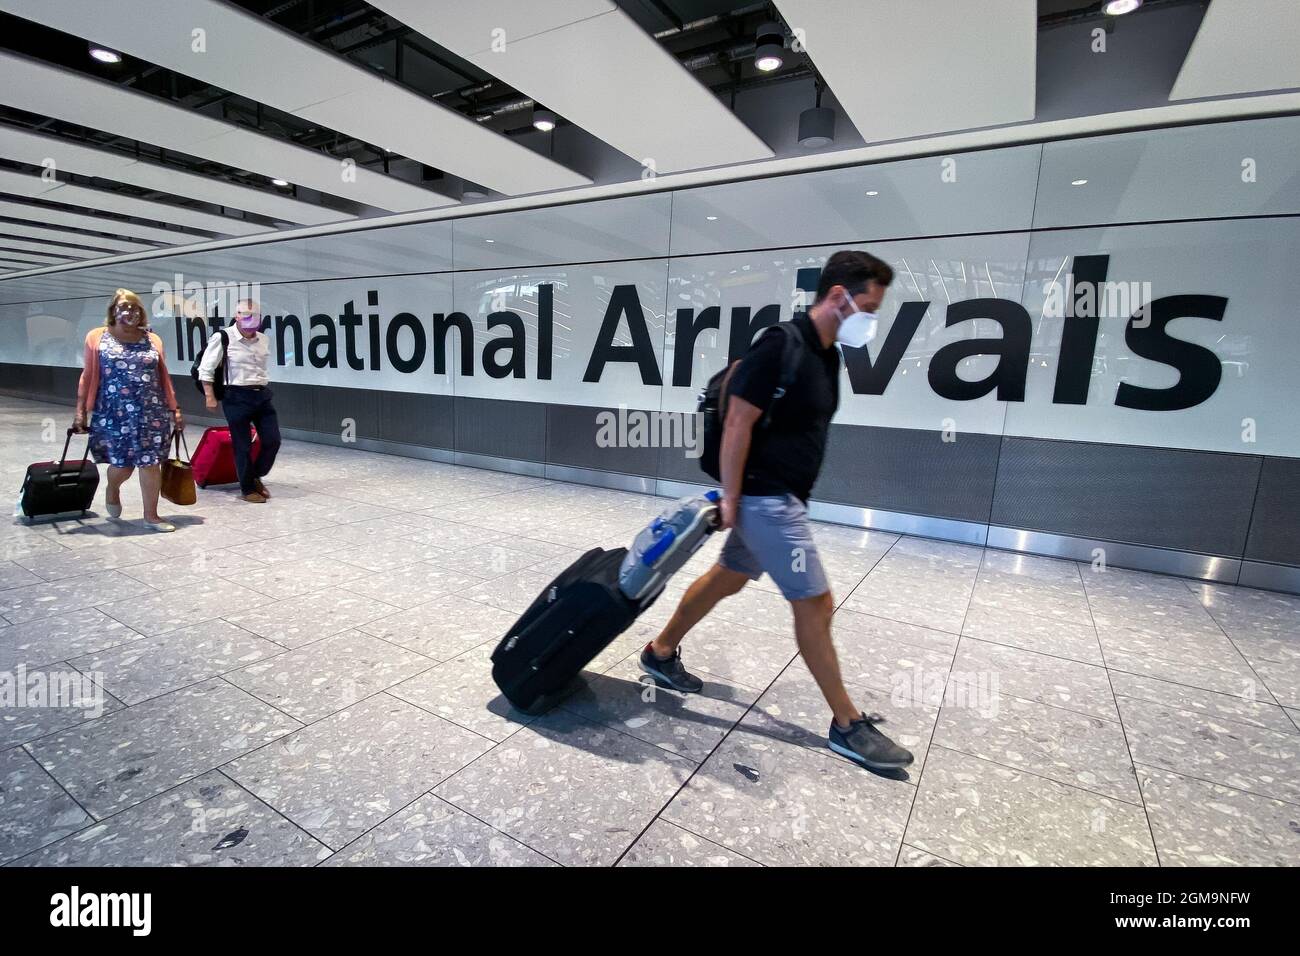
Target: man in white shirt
<point x="246" y="399"/>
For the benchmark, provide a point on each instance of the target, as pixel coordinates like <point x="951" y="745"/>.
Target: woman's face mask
<point x="857" y="328"/>
<point x="131" y="316"/>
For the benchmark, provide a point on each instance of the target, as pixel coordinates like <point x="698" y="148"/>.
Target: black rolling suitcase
<point x="573" y="620"/>
<point x="59" y="487"/>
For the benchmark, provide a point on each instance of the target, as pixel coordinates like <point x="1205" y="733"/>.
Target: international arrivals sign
<point x="362" y="340"/>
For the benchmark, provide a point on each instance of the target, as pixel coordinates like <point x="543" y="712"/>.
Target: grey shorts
<point x="772" y="536"/>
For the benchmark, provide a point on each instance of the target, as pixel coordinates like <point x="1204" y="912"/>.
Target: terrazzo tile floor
<point x="307" y="682"/>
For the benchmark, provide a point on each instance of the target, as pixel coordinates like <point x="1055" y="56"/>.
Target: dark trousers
<point x="245" y="407"/>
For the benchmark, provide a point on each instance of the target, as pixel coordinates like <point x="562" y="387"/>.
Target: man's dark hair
<point x="852" y="269"/>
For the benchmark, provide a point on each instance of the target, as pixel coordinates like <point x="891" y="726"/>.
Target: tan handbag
<point x="178" y="476"/>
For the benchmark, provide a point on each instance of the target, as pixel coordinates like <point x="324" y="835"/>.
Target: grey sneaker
<point x="863" y="743"/>
<point x="670" y="672"/>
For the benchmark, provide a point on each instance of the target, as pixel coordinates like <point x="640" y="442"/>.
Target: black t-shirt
<point x="785" y="457"/>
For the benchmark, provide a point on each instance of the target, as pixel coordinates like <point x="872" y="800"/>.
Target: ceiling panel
<point x="74" y="98"/>
<point x="901" y="69"/>
<point x="37" y="149"/>
<point x="104" y="243"/>
<point x="77" y="220"/>
<point x="27" y="245"/>
<point x="305" y="81"/>
<point x="34" y="257"/>
<point x="646" y="104"/>
<point x="1243" y="46"/>
<point x="36" y="187"/>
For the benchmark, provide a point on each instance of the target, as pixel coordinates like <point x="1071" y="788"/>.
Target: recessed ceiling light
<point x="105" y="56"/>
<point x="1117" y="8"/>
<point x="279" y="182"/>
<point x="711" y="218"/>
<point x="1079" y="182"/>
<point x="489" y="240"/>
<point x="544" y="120"/>
<point x="873" y="192"/>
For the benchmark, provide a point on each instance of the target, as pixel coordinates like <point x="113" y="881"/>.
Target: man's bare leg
<point x="706" y="591"/>
<point x="812" y="631"/>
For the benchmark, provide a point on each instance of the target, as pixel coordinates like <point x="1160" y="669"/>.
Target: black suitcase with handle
<point x="573" y="620"/>
<point x="60" y="487"/>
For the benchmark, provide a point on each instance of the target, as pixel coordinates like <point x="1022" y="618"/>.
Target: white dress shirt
<point x="245" y="358"/>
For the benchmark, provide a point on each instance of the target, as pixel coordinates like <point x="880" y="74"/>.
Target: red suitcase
<point x="213" y="460"/>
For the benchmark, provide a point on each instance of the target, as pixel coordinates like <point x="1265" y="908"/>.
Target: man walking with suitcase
<point x="246" y="398"/>
<point x="767" y="477"/>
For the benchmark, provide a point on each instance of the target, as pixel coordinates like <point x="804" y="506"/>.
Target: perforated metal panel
<point x="1275" y="524"/>
<point x="572" y="433"/>
<point x="1162" y="497"/>
<point x="417" y="419"/>
<point x="503" y="429"/>
<point x="909" y="470"/>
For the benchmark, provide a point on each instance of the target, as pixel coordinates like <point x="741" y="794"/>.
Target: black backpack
<point x="713" y="400"/>
<point x="219" y="376"/>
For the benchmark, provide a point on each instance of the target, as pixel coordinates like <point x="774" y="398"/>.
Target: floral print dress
<point x="130" y="426"/>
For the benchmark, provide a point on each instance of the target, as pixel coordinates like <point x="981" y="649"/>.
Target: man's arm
<point x="736" y="434"/>
<point x="208" y="368"/>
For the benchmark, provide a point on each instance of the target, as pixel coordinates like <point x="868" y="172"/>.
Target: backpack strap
<point x="791" y="355"/>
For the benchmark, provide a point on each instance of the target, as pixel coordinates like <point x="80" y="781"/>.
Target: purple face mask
<point x="249" y="323"/>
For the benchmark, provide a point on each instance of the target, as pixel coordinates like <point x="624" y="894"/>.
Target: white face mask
<point x="857" y="328"/>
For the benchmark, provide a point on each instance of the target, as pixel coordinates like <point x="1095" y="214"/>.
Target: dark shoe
<point x="261" y="489"/>
<point x="670" y="672"/>
<point x="863" y="743"/>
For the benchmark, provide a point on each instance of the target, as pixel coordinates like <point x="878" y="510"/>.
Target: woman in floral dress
<point x="125" y="400"/>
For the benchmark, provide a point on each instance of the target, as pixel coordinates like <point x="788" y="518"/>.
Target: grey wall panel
<point x="295" y="405"/>
<point x="503" y="429"/>
<point x="333" y="406"/>
<point x="910" y="470"/>
<point x="1161" y="497"/>
<point x="675" y="464"/>
<point x="571" y="439"/>
<point x="1275" y="525"/>
<point x="418" y="419"/>
<point x="63" y="382"/>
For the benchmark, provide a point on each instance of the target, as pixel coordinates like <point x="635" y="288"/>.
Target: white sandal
<point x="114" y="510"/>
<point x="163" y="526"/>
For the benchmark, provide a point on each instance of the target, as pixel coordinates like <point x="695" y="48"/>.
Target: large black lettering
<point x="400" y="321"/>
<point x="195" y="324"/>
<point x="689" y="327"/>
<point x="291" y="323"/>
<point x="372" y="299"/>
<point x="1012" y="351"/>
<point x="1079" y="333"/>
<point x="744" y="328"/>
<point x="545" y="329"/>
<point x="868" y="379"/>
<point x="1199" y="369"/>
<point x="516" y="343"/>
<point x="350" y="321"/>
<point x="624" y="301"/>
<point x="323" y="349"/>
<point x="464" y="335"/>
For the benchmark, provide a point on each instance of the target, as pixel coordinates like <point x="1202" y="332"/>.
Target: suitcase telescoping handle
<point x="58" y="471"/>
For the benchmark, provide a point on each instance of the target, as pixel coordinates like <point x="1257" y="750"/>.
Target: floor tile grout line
<point x="698" y="836"/>
<point x="1250" y="664"/>
<point x="924" y="850"/>
<point x="938" y="717"/>
<point x="1128" y="746"/>
<point x="1038" y="775"/>
<point x="1218" y="783"/>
